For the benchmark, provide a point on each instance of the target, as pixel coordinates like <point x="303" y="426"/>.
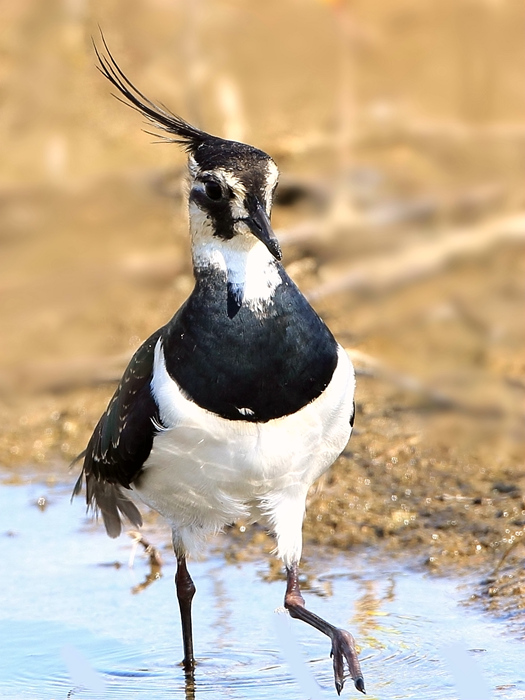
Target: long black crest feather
<point x="183" y="133"/>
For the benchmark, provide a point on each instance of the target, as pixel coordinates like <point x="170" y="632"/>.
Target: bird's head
<point x="231" y="193"/>
<point x="231" y="183"/>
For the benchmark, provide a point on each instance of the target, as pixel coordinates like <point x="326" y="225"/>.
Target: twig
<point x="155" y="561"/>
<point x="66" y="374"/>
<point x="153" y="553"/>
<point x="369" y="366"/>
<point x="396" y="128"/>
<point x="410" y="265"/>
<point x="469" y="203"/>
<point x="506" y="553"/>
<point x="373" y="367"/>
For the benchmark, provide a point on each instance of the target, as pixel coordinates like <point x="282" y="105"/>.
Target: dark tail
<point x="110" y="500"/>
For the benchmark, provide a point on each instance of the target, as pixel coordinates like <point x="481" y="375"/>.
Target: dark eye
<point x="213" y="190"/>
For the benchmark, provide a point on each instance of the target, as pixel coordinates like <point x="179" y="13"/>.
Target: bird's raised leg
<point x="343" y="645"/>
<point x="185" y="592"/>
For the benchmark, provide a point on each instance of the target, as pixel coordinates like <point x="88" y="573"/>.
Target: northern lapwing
<point x="242" y="400"/>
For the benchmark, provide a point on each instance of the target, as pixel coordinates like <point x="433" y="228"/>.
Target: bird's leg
<point x="185" y="592"/>
<point x="343" y="645"/>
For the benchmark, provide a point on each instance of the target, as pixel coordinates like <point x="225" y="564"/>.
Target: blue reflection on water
<point x="69" y="619"/>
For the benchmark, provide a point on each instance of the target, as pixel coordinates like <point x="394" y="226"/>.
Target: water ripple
<point x="58" y="596"/>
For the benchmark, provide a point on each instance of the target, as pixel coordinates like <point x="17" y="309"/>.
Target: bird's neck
<point x="248" y="270"/>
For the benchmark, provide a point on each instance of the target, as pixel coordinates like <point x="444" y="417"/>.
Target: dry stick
<point x="406" y="130"/>
<point x="409" y="265"/>
<point x="155" y="560"/>
<point x="367" y="365"/>
<point x="506" y="553"/>
<point x="68" y="373"/>
<point x="472" y="201"/>
<point x="460" y="131"/>
<point x="153" y="553"/>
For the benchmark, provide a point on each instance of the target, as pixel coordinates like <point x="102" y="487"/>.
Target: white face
<point x="231" y="187"/>
<point x="219" y="208"/>
<point x="230" y="182"/>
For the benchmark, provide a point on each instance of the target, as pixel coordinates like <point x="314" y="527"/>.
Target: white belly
<point x="205" y="471"/>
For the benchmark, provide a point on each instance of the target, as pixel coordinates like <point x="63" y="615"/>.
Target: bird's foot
<point x="343" y="651"/>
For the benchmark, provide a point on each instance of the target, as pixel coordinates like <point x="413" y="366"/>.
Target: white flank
<point x="205" y="472"/>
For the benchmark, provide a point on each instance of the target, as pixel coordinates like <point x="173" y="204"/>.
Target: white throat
<point x="251" y="270"/>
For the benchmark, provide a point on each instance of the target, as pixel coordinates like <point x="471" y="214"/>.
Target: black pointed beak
<point x="259" y="224"/>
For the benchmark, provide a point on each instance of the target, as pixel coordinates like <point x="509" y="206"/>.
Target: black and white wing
<point x="121" y="442"/>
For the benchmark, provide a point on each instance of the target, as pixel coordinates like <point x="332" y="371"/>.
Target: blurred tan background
<point x="399" y="129"/>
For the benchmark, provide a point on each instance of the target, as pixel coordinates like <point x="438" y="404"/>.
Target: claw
<point x="360" y="684"/>
<point x="343" y="651"/>
<point x="338" y="669"/>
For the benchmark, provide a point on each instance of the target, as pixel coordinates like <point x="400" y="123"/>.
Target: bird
<point x="237" y="405"/>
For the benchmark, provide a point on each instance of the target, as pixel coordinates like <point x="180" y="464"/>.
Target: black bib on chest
<point x="253" y="367"/>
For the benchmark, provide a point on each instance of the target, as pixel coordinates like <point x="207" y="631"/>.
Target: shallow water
<point x="72" y="624"/>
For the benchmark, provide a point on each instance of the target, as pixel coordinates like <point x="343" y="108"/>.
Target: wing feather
<point x="121" y="443"/>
